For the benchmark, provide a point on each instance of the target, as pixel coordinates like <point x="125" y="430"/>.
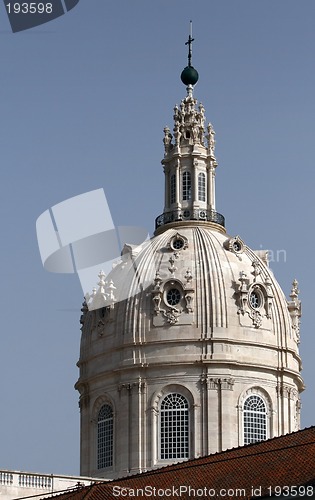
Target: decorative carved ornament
<point x="288" y="391"/>
<point x="83" y="389"/>
<point x="138" y="386"/>
<point x="295" y="310"/>
<point x="84" y="310"/>
<point x="217" y="383"/>
<point x="177" y="243"/>
<point x="173" y="297"/>
<point x="235" y="245"/>
<point x="254" y="296"/>
<point x="189" y="129"/>
<point x="103" y="296"/>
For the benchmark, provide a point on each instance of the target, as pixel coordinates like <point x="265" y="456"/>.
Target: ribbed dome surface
<point x="194" y="283"/>
<point x="215" y="276"/>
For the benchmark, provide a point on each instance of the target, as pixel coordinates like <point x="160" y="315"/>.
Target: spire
<point x="189" y="161"/>
<point x="189" y="43"/>
<point x="189" y="75"/>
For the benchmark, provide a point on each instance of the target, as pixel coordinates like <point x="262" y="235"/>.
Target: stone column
<point x="293" y="397"/>
<point x="136" y="426"/>
<point x="153" y="434"/>
<point x="123" y="452"/>
<point x="167" y="189"/>
<point x="178" y="204"/>
<point x="286" y="412"/>
<point x="214" y="431"/>
<point x="204" y="434"/>
<point x="209" y="187"/>
<point x="283" y="408"/>
<point x="194" y="179"/>
<point x="213" y="187"/>
<point x="228" y="414"/>
<point x="86" y="433"/>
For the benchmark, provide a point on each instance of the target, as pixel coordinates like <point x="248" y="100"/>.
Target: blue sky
<point x="83" y="102"/>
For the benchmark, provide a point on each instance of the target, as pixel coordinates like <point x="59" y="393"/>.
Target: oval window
<point x="255" y="299"/>
<point x="173" y="296"/>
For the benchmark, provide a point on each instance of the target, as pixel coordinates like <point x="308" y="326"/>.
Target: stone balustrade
<point x="16" y="484"/>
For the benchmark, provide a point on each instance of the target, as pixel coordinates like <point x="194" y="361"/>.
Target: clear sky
<point x="83" y="102"/>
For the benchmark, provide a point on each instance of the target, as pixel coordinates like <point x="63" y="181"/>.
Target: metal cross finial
<point x="189" y="43"/>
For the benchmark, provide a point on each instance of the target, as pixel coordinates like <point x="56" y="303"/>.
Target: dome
<point x="189" y="346"/>
<point x="201" y="287"/>
<point x="196" y="317"/>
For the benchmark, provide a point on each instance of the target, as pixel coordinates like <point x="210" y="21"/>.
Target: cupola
<point x="189" y="162"/>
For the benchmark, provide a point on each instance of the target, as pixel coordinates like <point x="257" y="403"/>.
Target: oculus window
<point x="177" y="244"/>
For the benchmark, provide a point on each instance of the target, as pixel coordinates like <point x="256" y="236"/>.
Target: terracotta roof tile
<point x="283" y="461"/>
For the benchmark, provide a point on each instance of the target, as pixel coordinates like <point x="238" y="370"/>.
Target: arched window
<point x="255" y="419"/>
<point x="186" y="186"/>
<point x="173" y="188"/>
<point x="174" y="427"/>
<point x="201" y="187"/>
<point x="105" y="433"/>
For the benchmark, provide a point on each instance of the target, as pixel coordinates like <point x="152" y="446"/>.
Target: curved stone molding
<point x="259" y="391"/>
<point x="168" y="389"/>
<point x="98" y="403"/>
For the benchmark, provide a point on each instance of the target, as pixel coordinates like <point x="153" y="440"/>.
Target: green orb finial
<point x="189" y="76"/>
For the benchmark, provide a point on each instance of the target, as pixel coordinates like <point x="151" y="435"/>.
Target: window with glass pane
<point x="174" y="428"/>
<point x="202" y="187"/>
<point x="186" y="186"/>
<point x="105" y="437"/>
<point x="173" y="188"/>
<point x="255" y="420"/>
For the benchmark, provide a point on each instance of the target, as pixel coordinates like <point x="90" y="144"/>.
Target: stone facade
<point x="193" y="314"/>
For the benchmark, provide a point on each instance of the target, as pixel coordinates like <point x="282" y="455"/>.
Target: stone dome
<point x="227" y="297"/>
<point x="193" y="312"/>
<point x="189" y="346"/>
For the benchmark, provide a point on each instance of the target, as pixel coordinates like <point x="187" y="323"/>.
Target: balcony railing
<point x="187" y="215"/>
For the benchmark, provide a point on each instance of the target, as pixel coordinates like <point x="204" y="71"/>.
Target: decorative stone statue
<point x="211" y="139"/>
<point x="167" y="139"/>
<point x="177" y="134"/>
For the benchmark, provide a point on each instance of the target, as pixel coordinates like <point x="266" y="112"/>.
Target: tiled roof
<point x="283" y="461"/>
